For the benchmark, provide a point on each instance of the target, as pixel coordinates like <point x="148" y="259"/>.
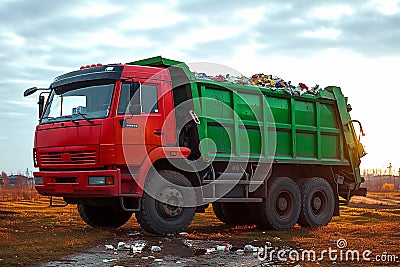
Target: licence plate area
<point x="63" y="180"/>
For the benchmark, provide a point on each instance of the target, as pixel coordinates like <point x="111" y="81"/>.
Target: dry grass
<point x="33" y="232"/>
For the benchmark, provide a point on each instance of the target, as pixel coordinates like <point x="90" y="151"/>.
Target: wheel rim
<point x="284" y="205"/>
<point x="170" y="203"/>
<point x="319" y="205"/>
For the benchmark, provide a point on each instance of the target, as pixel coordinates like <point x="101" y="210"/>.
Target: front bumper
<point x="75" y="184"/>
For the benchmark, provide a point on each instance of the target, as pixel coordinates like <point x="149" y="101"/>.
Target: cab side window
<point x="138" y="98"/>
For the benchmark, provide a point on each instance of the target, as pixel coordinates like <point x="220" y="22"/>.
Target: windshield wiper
<point x="83" y="116"/>
<point x="48" y="118"/>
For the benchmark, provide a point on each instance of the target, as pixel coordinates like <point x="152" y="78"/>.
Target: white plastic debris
<point x="122" y="245"/>
<point x="240" y="251"/>
<point x="110" y="260"/>
<point x="250" y="248"/>
<point x="183" y="233"/>
<point x="109" y="247"/>
<point x="155" y="249"/>
<point x="210" y="250"/>
<point x="158" y="260"/>
<point x="138" y="247"/>
<point x="134" y="233"/>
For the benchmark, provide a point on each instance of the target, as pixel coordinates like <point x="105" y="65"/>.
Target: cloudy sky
<point x="353" y="44"/>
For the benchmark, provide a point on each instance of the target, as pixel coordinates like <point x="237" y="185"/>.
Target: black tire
<point x="218" y="213"/>
<point x="234" y="213"/>
<point x="97" y="216"/>
<point x="318" y="202"/>
<point x="162" y="218"/>
<point x="281" y="208"/>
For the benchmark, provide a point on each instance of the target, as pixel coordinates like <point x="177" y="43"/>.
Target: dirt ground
<point x="33" y="234"/>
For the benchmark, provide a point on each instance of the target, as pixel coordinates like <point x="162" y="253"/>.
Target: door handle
<point x="159" y="133"/>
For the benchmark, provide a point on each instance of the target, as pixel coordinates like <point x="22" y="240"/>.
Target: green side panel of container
<point x="221" y="136"/>
<point x="305" y="113"/>
<point x="328" y="116"/>
<point x="249" y="107"/>
<point x="250" y="141"/>
<point x="330" y="148"/>
<point x="306" y="144"/>
<point x="280" y="109"/>
<point x="219" y="103"/>
<point x="283" y="143"/>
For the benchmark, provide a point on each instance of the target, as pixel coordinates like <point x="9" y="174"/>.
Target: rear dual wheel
<point x="318" y="202"/>
<point x="281" y="208"/>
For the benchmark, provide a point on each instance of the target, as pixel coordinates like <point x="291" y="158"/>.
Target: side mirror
<point x="30" y="91"/>
<point x="41" y="105"/>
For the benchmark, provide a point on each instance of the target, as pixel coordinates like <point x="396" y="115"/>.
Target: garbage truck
<point x="151" y="138"/>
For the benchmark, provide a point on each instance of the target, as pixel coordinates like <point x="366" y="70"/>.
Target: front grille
<point x="70" y="157"/>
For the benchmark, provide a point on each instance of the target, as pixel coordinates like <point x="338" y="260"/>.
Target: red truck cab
<point x="101" y="129"/>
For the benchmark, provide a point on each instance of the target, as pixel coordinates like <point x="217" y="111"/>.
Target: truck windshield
<point x="78" y="102"/>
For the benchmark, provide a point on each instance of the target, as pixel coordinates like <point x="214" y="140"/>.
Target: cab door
<point x="140" y="115"/>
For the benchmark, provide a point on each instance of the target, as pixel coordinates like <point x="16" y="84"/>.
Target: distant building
<point x="20" y="181"/>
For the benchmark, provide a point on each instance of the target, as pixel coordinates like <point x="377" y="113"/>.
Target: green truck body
<point x="308" y="142"/>
<point x="308" y="129"/>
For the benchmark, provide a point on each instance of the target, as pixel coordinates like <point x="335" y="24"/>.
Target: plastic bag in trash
<point x="155" y="249"/>
<point x="122" y="245"/>
<point x="109" y="247"/>
<point x="138" y="247"/>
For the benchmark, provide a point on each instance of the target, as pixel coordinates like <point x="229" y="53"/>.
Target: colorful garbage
<point x="263" y="80"/>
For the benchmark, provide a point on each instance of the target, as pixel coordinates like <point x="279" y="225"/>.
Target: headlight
<point x="101" y="180"/>
<point x="38" y="180"/>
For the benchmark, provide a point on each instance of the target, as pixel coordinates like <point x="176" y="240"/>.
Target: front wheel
<point x="168" y="203"/>
<point x="98" y="216"/>
<point x="318" y="202"/>
<point x="281" y="207"/>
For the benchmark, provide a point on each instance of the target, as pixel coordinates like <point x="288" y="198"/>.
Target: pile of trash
<point x="263" y="80"/>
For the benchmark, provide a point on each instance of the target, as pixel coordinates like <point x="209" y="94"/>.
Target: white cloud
<point x="333" y="12"/>
<point x="386" y="7"/>
<point x="150" y="16"/>
<point x="95" y="9"/>
<point x="250" y="16"/>
<point x="323" y="33"/>
<point x="12" y="39"/>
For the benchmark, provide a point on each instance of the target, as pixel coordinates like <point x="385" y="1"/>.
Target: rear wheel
<point x="168" y="203"/>
<point x="318" y="202"/>
<point x="98" y="216"/>
<point x="281" y="207"/>
<point x="234" y="213"/>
